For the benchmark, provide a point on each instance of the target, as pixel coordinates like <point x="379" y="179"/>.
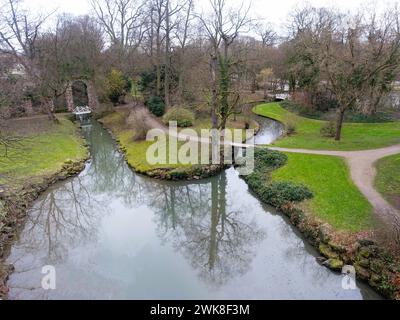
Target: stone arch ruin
<point x="91" y="94"/>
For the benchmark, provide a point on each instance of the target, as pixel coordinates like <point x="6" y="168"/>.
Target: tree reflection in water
<point x="195" y="218"/>
<point x="214" y="224"/>
<point x="217" y="240"/>
<point x="66" y="216"/>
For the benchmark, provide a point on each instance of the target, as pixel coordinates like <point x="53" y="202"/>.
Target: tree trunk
<point x="214" y="66"/>
<point x="375" y="104"/>
<point x="339" y="124"/>
<point x="223" y="123"/>
<point x="48" y="105"/>
<point x="253" y="84"/>
<point x="180" y="86"/>
<point x="158" y="67"/>
<point x="181" y="76"/>
<point x="167" y="57"/>
<point x="214" y="101"/>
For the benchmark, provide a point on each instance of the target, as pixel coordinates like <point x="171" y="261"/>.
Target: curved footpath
<point x="361" y="164"/>
<point x="363" y="172"/>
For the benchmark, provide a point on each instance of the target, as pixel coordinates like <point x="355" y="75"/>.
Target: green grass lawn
<point x="136" y="150"/>
<point x="43" y="153"/>
<point x="136" y="153"/>
<point x="355" y="136"/>
<point x="336" y="199"/>
<point x="388" y="179"/>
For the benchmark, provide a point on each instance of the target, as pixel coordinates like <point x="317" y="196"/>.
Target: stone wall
<point x="91" y="92"/>
<point x="69" y="97"/>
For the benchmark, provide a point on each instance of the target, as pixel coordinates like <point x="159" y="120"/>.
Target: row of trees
<point x="161" y="37"/>
<point x="211" y="58"/>
<point x="49" y="59"/>
<point x="354" y="58"/>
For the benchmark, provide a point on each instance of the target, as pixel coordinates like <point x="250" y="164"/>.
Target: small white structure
<point x="282" y="96"/>
<point x="81" y="110"/>
<point x="82" y="113"/>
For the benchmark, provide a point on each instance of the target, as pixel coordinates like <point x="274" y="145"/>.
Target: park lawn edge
<point x="355" y="136"/>
<point x="336" y="200"/>
<point x="387" y="180"/>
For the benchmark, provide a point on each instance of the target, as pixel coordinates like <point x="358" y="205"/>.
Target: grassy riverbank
<point x="388" y="179"/>
<point x="316" y="194"/>
<point x="135" y="152"/>
<point x="41" y="150"/>
<point x="336" y="199"/>
<point x="355" y="136"/>
<point x="45" y="153"/>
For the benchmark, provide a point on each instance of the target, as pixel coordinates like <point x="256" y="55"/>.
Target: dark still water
<point x="112" y="234"/>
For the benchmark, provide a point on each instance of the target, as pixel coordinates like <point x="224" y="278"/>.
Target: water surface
<point x="270" y="130"/>
<point x="113" y="234"/>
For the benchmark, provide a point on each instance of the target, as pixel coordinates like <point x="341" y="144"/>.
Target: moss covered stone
<point x="327" y="252"/>
<point x="362" y="272"/>
<point x="337" y="247"/>
<point x="364" y="263"/>
<point x="334" y="264"/>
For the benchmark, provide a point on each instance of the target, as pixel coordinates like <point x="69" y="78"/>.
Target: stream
<point x="114" y="234"/>
<point x="270" y="130"/>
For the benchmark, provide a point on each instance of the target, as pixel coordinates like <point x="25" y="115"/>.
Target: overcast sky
<point x="273" y="11"/>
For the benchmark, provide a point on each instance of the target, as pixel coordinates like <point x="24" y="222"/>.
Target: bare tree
<point x="122" y="20"/>
<point x="222" y="28"/>
<point x="19" y="34"/>
<point x="267" y="34"/>
<point x="170" y="13"/>
<point x="211" y="27"/>
<point x="182" y="33"/>
<point x="159" y="13"/>
<point x="350" y="54"/>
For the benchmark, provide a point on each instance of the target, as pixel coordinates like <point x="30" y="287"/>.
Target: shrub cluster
<point x="156" y="105"/>
<point x="278" y="193"/>
<point x="117" y="86"/>
<point x="182" y="116"/>
<point x="269" y="159"/>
